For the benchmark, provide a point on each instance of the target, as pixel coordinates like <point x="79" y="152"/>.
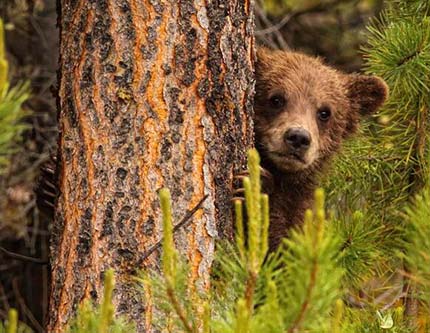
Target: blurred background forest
<point x="332" y="29"/>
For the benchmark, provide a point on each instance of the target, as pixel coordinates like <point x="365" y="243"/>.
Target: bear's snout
<point x="297" y="139"/>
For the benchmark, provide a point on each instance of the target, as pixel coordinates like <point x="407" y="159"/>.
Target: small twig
<point x="251" y="283"/>
<point x="4" y="298"/>
<point x="318" y="8"/>
<point x="39" y="31"/>
<point x="274" y="28"/>
<point x="36" y="231"/>
<point x="178" y="309"/>
<point x="378" y="302"/>
<point x="22" y="257"/>
<point x="280" y="39"/>
<point x="351" y="302"/>
<point x="306" y="303"/>
<point x="26" y="311"/>
<point x="185" y="220"/>
<point x="393" y="301"/>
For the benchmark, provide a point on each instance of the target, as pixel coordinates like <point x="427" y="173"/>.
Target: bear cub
<point x="303" y="112"/>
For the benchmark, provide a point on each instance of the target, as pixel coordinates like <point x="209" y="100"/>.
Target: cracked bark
<point x="152" y="93"/>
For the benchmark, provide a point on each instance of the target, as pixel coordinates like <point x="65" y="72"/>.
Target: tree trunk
<point x="152" y="94"/>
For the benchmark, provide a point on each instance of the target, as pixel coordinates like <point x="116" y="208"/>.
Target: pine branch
<point x="179" y="310"/>
<point x="12" y="324"/>
<point x="296" y="324"/>
<point x="24" y="258"/>
<point x="250" y="290"/>
<point x="181" y="224"/>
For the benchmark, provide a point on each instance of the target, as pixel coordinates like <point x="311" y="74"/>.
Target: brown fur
<point x="308" y="87"/>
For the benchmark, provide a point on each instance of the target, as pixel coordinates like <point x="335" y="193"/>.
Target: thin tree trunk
<point x="152" y="94"/>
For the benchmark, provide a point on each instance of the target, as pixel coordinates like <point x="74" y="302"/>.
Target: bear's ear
<point x="263" y="52"/>
<point x="263" y="58"/>
<point x="366" y="93"/>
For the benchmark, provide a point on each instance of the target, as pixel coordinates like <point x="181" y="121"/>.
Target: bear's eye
<point x="324" y="113"/>
<point x="277" y="101"/>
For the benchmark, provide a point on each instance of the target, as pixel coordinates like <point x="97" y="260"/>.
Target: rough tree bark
<point x="152" y="93"/>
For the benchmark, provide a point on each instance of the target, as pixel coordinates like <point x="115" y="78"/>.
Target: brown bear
<point x="303" y="111"/>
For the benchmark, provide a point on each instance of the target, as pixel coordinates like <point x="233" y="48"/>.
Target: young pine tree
<point x="11" y="112"/>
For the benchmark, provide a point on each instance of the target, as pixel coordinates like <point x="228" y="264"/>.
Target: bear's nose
<point x="297" y="138"/>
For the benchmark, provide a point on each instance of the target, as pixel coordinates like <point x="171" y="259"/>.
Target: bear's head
<point x="305" y="109"/>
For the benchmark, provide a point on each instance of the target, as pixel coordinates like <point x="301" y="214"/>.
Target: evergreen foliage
<point x="417" y="245"/>
<point x="11" y="111"/>
<point x="383" y="168"/>
<point x="379" y="173"/>
<point x="292" y="290"/>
